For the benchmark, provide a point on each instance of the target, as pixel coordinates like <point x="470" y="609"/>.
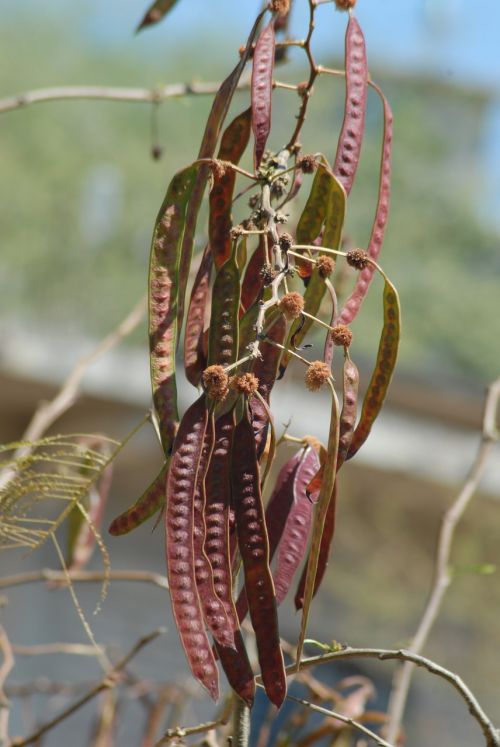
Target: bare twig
<point x="75" y="649"/>
<point x="110" y="681"/>
<point x="442" y="576"/>
<point x="241" y="723"/>
<point x="491" y="734"/>
<point x="59" y="577"/>
<point x="180" y="732"/>
<point x="5" y="670"/>
<point x="48" y="412"/>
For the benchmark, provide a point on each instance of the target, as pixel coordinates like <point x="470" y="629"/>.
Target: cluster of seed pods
<point x="248" y="317"/>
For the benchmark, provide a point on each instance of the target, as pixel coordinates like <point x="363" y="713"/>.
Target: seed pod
<point x="254" y="549"/>
<point x="314" y="213"/>
<point x="252" y="279"/>
<point x="223" y="334"/>
<point x="164" y="298"/>
<point x="155" y="13"/>
<point x="325" y="495"/>
<point x="262" y="88"/>
<point x="349" y="409"/>
<point x="293" y="544"/>
<point x="179" y="528"/>
<point x="194" y="358"/>
<point x="384" y="368"/>
<point x="151" y="501"/>
<point x="353" y="126"/>
<point x="265" y="369"/>
<point x="233" y="144"/>
<point x="357" y="296"/>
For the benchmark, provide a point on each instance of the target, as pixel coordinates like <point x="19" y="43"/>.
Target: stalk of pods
<point x="260" y="293"/>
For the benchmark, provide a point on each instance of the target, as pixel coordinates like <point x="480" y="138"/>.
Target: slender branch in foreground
<point x="442" y="576"/>
<point x="59" y="577"/>
<point x="48" y="412"/>
<point x="110" y="681"/>
<point x="5" y="670"/>
<point x="345" y="719"/>
<point x="180" y="732"/>
<point x="241" y="723"/>
<point x="491" y="734"/>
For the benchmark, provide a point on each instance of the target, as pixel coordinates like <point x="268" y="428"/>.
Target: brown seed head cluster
<point x="341" y="335"/>
<point x="280" y="6"/>
<point x="307" y="163"/>
<point x="286" y="242"/>
<point x="292" y="305"/>
<point x="317" y="374"/>
<point x="345" y="4"/>
<point x="325" y="265"/>
<point x="267" y="273"/>
<point x="216" y="382"/>
<point x="237" y="231"/>
<point x="245" y="383"/>
<point x="357" y="258"/>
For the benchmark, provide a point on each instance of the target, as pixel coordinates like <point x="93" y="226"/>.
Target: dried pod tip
<point x="313" y="442"/>
<point x="317" y="374"/>
<point x="307" y="163"/>
<point x="156" y="152"/>
<point x="245" y="383"/>
<point x="216" y="382"/>
<point x="341" y="335"/>
<point x="286" y="242"/>
<point x="292" y="305"/>
<point x="218" y="168"/>
<point x="325" y="265"/>
<point x="345" y="4"/>
<point x="357" y="258"/>
<point x="280" y="6"/>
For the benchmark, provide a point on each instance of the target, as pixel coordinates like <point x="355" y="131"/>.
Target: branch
<point x="110" y="681"/>
<point x="490" y="732"/>
<point x="59" y="577"/>
<point x="5" y="670"/>
<point x="442" y="576"/>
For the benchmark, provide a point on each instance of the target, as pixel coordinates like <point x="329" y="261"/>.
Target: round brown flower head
<point x="341" y="335"/>
<point x="325" y="265"/>
<point x="280" y="6"/>
<point x="236" y="231"/>
<point x="286" y="242"/>
<point x="317" y="374"/>
<point x="307" y="164"/>
<point x="267" y="273"/>
<point x="345" y="4"/>
<point x="245" y="383"/>
<point x="216" y="382"/>
<point x="357" y="258"/>
<point x="292" y="305"/>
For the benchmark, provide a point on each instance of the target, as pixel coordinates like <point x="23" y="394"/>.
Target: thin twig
<point x="241" y="723"/>
<point x="59" y="577"/>
<point x="5" y="670"/>
<point x="442" y="576"/>
<point x="181" y="732"/>
<point x="110" y="681"/>
<point x="75" y="649"/>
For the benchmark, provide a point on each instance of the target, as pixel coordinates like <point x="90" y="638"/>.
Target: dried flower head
<point x="292" y="305"/>
<point x="237" y="231"/>
<point x="307" y="163"/>
<point x="357" y="258"/>
<point x="245" y="383"/>
<point x="345" y="4"/>
<point x="317" y="374"/>
<point x="267" y="273"/>
<point x="341" y="335"/>
<point x="280" y="6"/>
<point x="286" y="242"/>
<point x="216" y="382"/>
<point x="325" y="265"/>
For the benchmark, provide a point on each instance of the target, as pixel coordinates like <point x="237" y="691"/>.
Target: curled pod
<point x="353" y="303"/>
<point x="233" y="144"/>
<point x="353" y="126"/>
<point x="194" y="356"/>
<point x="223" y="332"/>
<point x="254" y="549"/>
<point x="293" y="544"/>
<point x="164" y="289"/>
<point x="383" y="370"/>
<point x="179" y="530"/>
<point x="252" y="279"/>
<point x="262" y="88"/>
<point x="151" y="501"/>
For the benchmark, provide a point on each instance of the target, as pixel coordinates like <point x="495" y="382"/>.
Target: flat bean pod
<point x="262" y="88"/>
<point x="353" y="126"/>
<point x="194" y="359"/>
<point x="265" y="369"/>
<point x="353" y="303"/>
<point x="151" y="501"/>
<point x="179" y="530"/>
<point x="384" y="368"/>
<point x="254" y="549"/>
<point x="164" y="286"/>
<point x="252" y="279"/>
<point x="223" y="333"/>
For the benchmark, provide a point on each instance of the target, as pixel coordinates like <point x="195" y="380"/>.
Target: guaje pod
<point x="194" y="359"/>
<point x="223" y="332"/>
<point x="145" y="506"/>
<point x="262" y="88"/>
